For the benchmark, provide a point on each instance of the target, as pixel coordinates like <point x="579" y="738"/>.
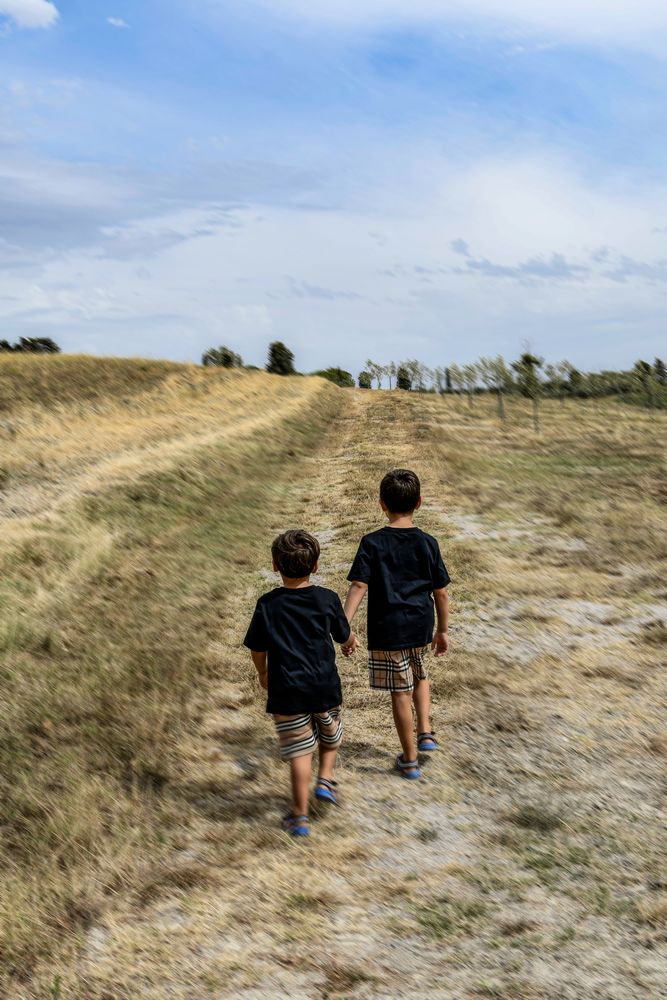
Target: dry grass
<point x="105" y="639"/>
<point x="537" y="832"/>
<point x="50" y="382"/>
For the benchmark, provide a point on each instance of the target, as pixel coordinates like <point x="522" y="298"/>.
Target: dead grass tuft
<point x="536" y="817"/>
<point x="655" y="633"/>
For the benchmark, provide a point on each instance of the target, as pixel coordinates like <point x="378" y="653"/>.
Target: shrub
<point x="403" y="380"/>
<point x="281" y="359"/>
<point x="222" y="356"/>
<point x="338" y="376"/>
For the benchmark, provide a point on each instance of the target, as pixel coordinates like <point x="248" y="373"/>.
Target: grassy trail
<point x="526" y="865"/>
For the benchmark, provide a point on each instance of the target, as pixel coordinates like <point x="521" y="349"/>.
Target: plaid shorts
<point x="298" y="734"/>
<point x="397" y="669"/>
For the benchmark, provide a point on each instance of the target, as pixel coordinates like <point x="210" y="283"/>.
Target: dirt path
<point x="523" y="866"/>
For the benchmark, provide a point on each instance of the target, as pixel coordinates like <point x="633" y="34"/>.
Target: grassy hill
<point x="140" y="791"/>
<point x="123" y="522"/>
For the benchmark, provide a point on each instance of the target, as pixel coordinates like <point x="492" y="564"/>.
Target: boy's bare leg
<point x="300" y="771"/>
<point x="421" y="697"/>
<point x="327" y="762"/>
<point x="401" y="706"/>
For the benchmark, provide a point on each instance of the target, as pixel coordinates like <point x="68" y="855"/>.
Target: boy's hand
<point x="440" y="643"/>
<point x="263" y="680"/>
<point x="351" y="646"/>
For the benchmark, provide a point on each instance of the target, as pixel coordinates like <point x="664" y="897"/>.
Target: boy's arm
<point x="440" y="643"/>
<point x="355" y="596"/>
<point x="259" y="659"/>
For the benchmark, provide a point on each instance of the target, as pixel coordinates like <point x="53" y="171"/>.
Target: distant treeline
<point x="529" y="376"/>
<point x="31" y="345"/>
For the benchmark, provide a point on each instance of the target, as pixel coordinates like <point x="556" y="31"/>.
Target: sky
<point x="431" y="179"/>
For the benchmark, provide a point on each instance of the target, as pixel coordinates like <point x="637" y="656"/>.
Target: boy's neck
<point x="294" y="583"/>
<point x="400" y="520"/>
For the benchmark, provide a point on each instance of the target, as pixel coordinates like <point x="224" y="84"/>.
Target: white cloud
<point x="641" y="24"/>
<point x="117" y="22"/>
<point x="30" y="13"/>
<point x="441" y="260"/>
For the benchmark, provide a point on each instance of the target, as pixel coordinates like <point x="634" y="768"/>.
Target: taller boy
<point x="401" y="568"/>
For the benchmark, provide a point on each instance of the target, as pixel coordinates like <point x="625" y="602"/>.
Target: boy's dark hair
<point x="400" y="491"/>
<point x="295" y="553"/>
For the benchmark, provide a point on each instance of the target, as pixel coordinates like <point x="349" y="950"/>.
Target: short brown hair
<point x="400" y="491"/>
<point x="295" y="553"/>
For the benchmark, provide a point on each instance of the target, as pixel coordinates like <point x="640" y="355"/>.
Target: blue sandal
<point x="326" y="790"/>
<point x="296" y="826"/>
<point x="408" y="768"/>
<point x="426" y="742"/>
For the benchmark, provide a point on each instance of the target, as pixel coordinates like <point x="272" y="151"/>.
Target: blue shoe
<point x="326" y="790"/>
<point x="426" y="742"/>
<point x="296" y="826"/>
<point x="408" y="768"/>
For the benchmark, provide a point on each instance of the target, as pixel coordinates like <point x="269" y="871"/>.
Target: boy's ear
<point x="275" y="568"/>
<point x="383" y="505"/>
<point x="418" y="504"/>
<point x="315" y="567"/>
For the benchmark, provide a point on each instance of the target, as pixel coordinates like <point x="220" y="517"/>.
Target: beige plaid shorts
<point x="299" y="734"/>
<point x="397" y="669"/>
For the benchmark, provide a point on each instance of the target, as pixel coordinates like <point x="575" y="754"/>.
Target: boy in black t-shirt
<point x="290" y="642"/>
<point x="401" y="568"/>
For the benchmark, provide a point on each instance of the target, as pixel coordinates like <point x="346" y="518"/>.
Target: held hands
<point x="440" y="643"/>
<point x="351" y="646"/>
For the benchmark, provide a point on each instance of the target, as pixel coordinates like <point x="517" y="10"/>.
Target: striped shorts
<point x="298" y="734"/>
<point x="397" y="669"/>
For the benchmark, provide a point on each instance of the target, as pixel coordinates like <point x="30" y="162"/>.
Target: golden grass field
<point x="141" y="853"/>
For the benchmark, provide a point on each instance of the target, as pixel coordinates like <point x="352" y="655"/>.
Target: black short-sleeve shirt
<point x="295" y="626"/>
<point x="402" y="567"/>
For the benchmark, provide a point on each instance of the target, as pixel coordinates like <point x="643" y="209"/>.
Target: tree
<point x="660" y="371"/>
<point x="440" y="378"/>
<point x="575" y="379"/>
<point x="497" y="378"/>
<point x="527" y="369"/>
<point x="469" y="373"/>
<point x="448" y="380"/>
<point x="222" y="356"/>
<point x="403" y="378"/>
<point x="456" y="378"/>
<point x="423" y="375"/>
<point x="281" y="359"/>
<point x="391" y="371"/>
<point x="365" y="380"/>
<point x="375" y="371"/>
<point x="412" y="367"/>
<point x="558" y="378"/>
<point x="338" y="376"/>
<point x="643" y="374"/>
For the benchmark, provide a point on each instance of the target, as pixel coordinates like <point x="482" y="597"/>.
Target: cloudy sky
<point x="387" y="178"/>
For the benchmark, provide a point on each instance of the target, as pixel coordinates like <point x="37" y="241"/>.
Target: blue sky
<point x="382" y="178"/>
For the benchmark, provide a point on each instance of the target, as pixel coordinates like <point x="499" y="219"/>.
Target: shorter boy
<point x="401" y="568"/>
<point x="290" y="642"/>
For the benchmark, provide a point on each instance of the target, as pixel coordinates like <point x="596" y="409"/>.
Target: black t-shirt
<point x="295" y="627"/>
<point x="402" y="566"/>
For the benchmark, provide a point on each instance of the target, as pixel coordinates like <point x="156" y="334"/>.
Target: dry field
<point x="141" y="792"/>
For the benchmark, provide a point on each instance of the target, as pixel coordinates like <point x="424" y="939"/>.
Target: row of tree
<point x="528" y="376"/>
<point x="31" y="345"/>
<point x="280" y="360"/>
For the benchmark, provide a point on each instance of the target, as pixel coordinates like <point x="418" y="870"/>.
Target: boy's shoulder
<point x="315" y="591"/>
<point x="381" y="535"/>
